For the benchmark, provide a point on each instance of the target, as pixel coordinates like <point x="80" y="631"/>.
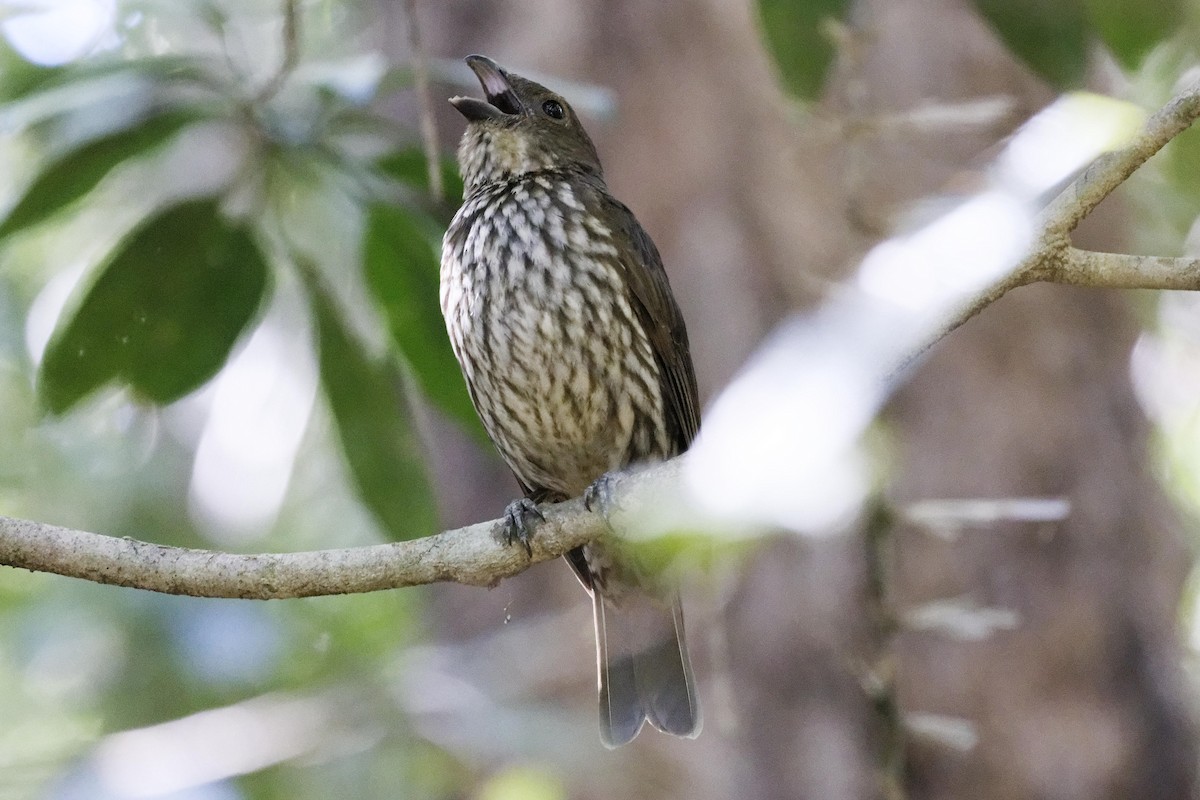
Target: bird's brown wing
<point x="660" y="317"/>
<point x="645" y="673"/>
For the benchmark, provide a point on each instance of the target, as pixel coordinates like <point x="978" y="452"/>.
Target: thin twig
<point x="429" y="132"/>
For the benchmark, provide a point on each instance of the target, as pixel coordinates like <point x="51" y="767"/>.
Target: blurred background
<point x="219" y="329"/>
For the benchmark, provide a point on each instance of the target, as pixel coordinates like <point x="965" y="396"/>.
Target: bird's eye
<point x="554" y="109"/>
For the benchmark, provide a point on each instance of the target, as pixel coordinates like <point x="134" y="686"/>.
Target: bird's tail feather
<point x="644" y="669"/>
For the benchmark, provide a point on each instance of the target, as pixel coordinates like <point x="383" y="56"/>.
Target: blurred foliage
<point x="76" y="173"/>
<point x="174" y="297"/>
<point x="168" y="194"/>
<point x="1165" y="191"/>
<point x="1132" y="28"/>
<point x="409" y="298"/>
<point x="800" y="39"/>
<point x="380" y="444"/>
<point x="1052" y="38"/>
<point x="523" y="783"/>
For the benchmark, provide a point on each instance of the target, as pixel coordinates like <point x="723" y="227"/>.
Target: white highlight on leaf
<point x="48" y="307"/>
<point x="51" y="32"/>
<point x="258" y="410"/>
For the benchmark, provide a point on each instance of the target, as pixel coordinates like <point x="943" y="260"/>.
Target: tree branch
<point x="429" y="134"/>
<point x="1052" y="259"/>
<point x="473" y="555"/>
<point x="1120" y="271"/>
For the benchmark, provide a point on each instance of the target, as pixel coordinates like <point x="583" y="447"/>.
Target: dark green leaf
<point x="802" y="51"/>
<point x="77" y="173"/>
<point x="163" y="313"/>
<point x="367" y="402"/>
<point x="410" y="166"/>
<point x="402" y="271"/>
<point x="1049" y="36"/>
<point x="1131" y="28"/>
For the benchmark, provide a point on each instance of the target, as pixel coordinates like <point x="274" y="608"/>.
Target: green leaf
<point x="1050" y="36"/>
<point x="803" y="52"/>
<point x="164" y="312"/>
<point x="402" y="272"/>
<point x="410" y="166"/>
<point x="368" y="404"/>
<point x="1130" y="28"/>
<point x="77" y="173"/>
<point x="18" y="76"/>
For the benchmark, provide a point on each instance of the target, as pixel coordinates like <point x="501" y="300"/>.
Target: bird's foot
<point x="600" y="497"/>
<point x="521" y="518"/>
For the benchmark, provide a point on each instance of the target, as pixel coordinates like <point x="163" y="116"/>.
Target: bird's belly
<point x="563" y="378"/>
<point x="562" y="433"/>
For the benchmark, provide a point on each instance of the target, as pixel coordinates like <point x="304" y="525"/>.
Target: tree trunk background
<point x="757" y="211"/>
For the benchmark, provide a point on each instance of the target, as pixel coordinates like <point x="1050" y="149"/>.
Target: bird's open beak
<point x="501" y="99"/>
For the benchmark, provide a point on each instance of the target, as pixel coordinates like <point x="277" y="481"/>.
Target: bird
<point x="576" y="357"/>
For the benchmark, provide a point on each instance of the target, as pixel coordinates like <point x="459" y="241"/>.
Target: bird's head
<point x="517" y="128"/>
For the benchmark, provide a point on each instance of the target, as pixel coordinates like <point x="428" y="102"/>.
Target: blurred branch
<point x="928" y="117"/>
<point x="429" y="134"/>
<point x="852" y="41"/>
<point x="947" y="519"/>
<point x="960" y="619"/>
<point x="881" y="680"/>
<point x="947" y="117"/>
<point x="952" y="732"/>
<point x="291" y="51"/>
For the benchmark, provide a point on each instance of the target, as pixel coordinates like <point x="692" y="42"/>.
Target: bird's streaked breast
<point x="560" y="369"/>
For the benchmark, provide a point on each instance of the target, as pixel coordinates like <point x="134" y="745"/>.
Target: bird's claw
<point x="521" y="518"/>
<point x="600" y="497"/>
